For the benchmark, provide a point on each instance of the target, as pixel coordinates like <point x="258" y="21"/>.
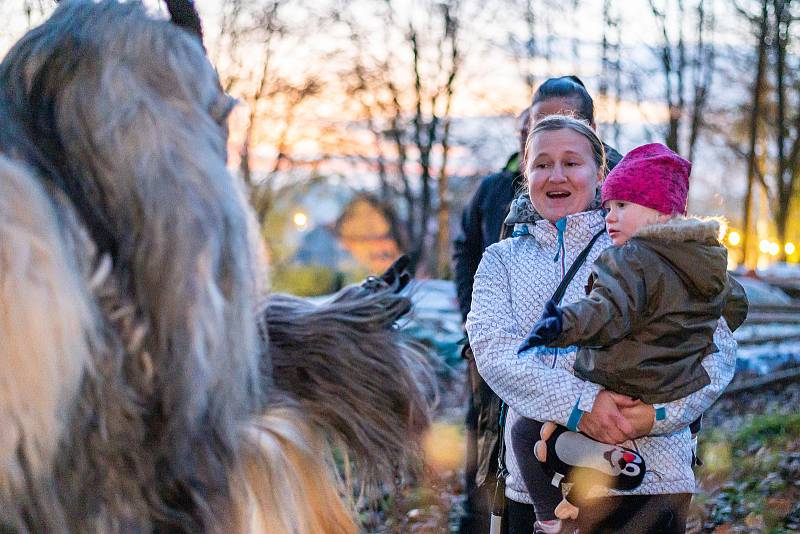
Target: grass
<point x="751" y="477"/>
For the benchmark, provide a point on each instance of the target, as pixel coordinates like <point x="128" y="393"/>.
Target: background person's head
<point x="649" y="185"/>
<point x="562" y="96"/>
<point x="523" y="126"/>
<point x="564" y="164"/>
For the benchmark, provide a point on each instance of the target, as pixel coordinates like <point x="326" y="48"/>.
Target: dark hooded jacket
<point x="652" y="308"/>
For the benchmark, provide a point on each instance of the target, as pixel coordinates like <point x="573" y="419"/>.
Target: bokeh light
<point x="300" y="219"/>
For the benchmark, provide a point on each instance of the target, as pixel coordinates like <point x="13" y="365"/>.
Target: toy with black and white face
<point x="580" y="457"/>
<point x="623" y="461"/>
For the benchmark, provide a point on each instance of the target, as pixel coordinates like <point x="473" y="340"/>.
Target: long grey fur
<point x="119" y="104"/>
<point x="168" y="397"/>
<point x="354" y="373"/>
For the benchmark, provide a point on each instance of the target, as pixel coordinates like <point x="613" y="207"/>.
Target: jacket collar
<point x="546" y="233"/>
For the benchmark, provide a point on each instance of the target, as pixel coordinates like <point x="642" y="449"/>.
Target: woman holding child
<point x="564" y="167"/>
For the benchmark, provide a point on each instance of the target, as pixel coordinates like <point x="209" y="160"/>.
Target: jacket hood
<point x="692" y="247"/>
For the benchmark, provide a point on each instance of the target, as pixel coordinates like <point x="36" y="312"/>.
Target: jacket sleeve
<point x="720" y="366"/>
<point x="467" y="250"/>
<point x="528" y="384"/>
<point x="609" y="312"/>
<point x="736" y="305"/>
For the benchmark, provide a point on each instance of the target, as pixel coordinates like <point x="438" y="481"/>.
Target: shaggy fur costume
<point x="144" y="387"/>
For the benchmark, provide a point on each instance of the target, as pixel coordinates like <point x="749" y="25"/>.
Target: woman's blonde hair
<point x="561" y="122"/>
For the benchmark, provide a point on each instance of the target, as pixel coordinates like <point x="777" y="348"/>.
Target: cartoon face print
<point x="623" y="461"/>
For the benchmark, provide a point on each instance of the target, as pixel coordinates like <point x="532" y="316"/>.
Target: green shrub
<point x="767" y="429"/>
<point x="304" y="281"/>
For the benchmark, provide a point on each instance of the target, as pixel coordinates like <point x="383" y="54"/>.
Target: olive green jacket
<point x="652" y="307"/>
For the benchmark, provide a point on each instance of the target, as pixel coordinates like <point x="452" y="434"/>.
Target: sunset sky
<point x="489" y="86"/>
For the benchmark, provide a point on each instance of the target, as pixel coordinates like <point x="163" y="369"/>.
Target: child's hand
<point x="546" y="330"/>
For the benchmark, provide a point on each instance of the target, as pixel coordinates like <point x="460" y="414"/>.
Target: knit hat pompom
<point x="650" y="175"/>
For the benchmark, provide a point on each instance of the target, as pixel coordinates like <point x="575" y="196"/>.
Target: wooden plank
<point x="761" y="382"/>
<point x="759" y="340"/>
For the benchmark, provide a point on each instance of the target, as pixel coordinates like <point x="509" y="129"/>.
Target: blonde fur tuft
<point x="46" y="324"/>
<point x="289" y="477"/>
<point x="684" y="229"/>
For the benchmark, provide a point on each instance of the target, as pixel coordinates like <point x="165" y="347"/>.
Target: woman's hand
<point x="606" y="422"/>
<point x="640" y="415"/>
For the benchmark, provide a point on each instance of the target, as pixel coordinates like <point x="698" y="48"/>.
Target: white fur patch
<point x="683" y="229"/>
<point x="290" y="485"/>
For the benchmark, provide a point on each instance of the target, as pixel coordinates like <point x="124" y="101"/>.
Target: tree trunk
<point x="755" y="113"/>
<point x="784" y="174"/>
<point x="443" y="235"/>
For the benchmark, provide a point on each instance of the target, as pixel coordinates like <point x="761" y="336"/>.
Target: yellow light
<point x="300" y="219"/>
<point x="789" y="248"/>
<point x="443" y="444"/>
<point x="774" y="249"/>
<point x="734" y="238"/>
<point x="764" y="246"/>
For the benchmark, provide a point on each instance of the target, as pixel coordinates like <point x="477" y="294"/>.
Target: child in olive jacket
<point x="654" y="300"/>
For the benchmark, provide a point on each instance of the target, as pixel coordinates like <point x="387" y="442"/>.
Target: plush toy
<point x="578" y="463"/>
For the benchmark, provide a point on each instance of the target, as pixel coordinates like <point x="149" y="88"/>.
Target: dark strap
<point x="499" y="498"/>
<point x="502" y="472"/>
<point x="562" y="287"/>
<point x="504" y="230"/>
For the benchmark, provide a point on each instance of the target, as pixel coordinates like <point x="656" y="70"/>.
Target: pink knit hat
<point x="650" y="175"/>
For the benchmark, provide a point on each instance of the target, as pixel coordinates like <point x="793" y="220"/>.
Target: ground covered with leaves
<point x="751" y="472"/>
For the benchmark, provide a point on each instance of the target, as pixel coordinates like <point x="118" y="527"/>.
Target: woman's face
<point x="562" y="174"/>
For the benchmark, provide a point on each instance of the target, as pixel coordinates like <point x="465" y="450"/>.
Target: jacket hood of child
<point x="691" y="247"/>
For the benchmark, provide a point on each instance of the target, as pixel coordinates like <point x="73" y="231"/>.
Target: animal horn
<point x="184" y="14"/>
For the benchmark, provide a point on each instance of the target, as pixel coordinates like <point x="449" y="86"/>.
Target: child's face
<point x="625" y="218"/>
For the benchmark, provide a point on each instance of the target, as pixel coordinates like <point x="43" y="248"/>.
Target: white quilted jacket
<point x="515" y="278"/>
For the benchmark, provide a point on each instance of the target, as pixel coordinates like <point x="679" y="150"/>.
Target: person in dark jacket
<point x="650" y="314"/>
<point x="485" y="218"/>
<point x="482" y="225"/>
<point x="482" y="220"/>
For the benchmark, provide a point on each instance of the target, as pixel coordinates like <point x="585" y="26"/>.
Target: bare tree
<point x="406" y="104"/>
<point x="757" y="98"/>
<point x="788" y="164"/>
<point x="687" y="70"/>
<point x="610" y="83"/>
<point x="443" y="238"/>
<point x="252" y="36"/>
<point x="772" y="150"/>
